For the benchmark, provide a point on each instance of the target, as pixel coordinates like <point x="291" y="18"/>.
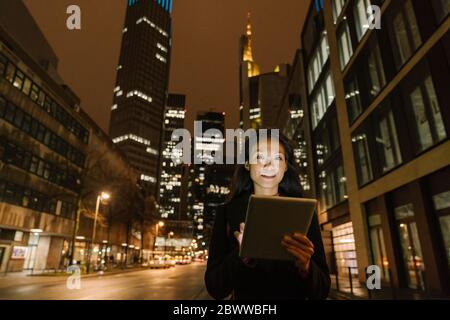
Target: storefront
<point x="409" y="233"/>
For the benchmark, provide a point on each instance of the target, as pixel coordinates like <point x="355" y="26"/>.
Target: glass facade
<point x="333" y="188"/>
<point x="428" y="122"/>
<point x="405" y="35"/>
<point x="386" y="139"/>
<point x="23" y="121"/>
<point x="344" y="249"/>
<point x="411" y="248"/>
<point x="377" y="245"/>
<point x="20" y="81"/>
<point x="345" y="45"/>
<point x="361" y="17"/>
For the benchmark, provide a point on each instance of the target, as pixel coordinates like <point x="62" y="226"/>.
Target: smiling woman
<point x="306" y="276"/>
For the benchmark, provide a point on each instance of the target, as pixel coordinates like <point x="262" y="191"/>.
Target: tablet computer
<point x="268" y="219"/>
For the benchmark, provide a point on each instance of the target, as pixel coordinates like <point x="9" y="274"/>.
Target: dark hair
<point x="289" y="185"/>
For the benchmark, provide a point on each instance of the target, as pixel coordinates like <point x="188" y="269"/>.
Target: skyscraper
<point x="202" y="185"/>
<point x="260" y="93"/>
<point x="171" y="173"/>
<point x="141" y="87"/>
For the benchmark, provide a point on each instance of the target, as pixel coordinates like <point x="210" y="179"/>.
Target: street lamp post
<point x="105" y="197"/>
<point x="158" y="225"/>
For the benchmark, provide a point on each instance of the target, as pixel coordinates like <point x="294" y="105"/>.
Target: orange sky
<point x="205" y="48"/>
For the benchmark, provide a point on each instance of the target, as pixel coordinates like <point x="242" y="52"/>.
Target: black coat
<point x="227" y="274"/>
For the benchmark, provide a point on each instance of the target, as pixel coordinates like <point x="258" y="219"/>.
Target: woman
<point x="272" y="172"/>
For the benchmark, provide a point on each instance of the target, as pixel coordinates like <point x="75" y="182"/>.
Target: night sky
<point x="205" y="48"/>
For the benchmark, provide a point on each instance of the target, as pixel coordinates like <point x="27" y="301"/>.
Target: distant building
<point x="171" y="172"/>
<point x="140" y="94"/>
<point x="209" y="183"/>
<point x="260" y="93"/>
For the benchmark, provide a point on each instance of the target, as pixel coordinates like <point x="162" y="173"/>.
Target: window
<point x="405" y="33"/>
<point x="10" y="71"/>
<point x="332" y="185"/>
<point x="387" y="140"/>
<point x="441" y="205"/>
<point x="441" y="9"/>
<point x="34" y="92"/>
<point x="26" y="86"/>
<point x="361" y="17"/>
<point x="3" y="63"/>
<point x="338" y="5"/>
<point x="323" y="98"/>
<point x="345" y="45"/>
<point x="362" y="158"/>
<point x="344" y="250"/>
<point x="327" y="139"/>
<point x="23" y="121"/>
<point x="376" y="71"/>
<point x="377" y="244"/>
<point x="410" y="244"/>
<point x="2" y="106"/>
<point x="18" y="79"/>
<point x="317" y="61"/>
<point x="353" y="98"/>
<point x="10" y="112"/>
<point x="429" y="125"/>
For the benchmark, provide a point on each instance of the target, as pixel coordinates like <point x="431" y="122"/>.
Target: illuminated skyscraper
<point x="141" y="87"/>
<point x="171" y="173"/>
<point x="260" y="93"/>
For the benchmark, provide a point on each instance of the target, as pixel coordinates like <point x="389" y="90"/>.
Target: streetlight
<point x="160" y="224"/>
<point x="102" y="197"/>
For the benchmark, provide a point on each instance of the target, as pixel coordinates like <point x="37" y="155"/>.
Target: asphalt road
<point x="179" y="282"/>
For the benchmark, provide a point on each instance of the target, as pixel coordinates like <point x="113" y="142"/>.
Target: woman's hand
<point x="301" y="248"/>
<point x="238" y="234"/>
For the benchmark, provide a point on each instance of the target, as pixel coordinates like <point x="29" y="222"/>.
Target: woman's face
<point x="267" y="164"/>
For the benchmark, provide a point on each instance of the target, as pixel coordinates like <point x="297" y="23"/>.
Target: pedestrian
<point x="272" y="173"/>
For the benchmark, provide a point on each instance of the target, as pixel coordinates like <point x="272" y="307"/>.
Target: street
<point x="183" y="282"/>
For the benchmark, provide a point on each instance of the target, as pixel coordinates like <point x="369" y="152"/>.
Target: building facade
<point x="171" y="172"/>
<point x="206" y="178"/>
<point x="141" y="87"/>
<point x="377" y="100"/>
<point x="54" y="162"/>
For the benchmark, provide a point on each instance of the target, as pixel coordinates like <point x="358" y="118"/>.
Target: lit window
<point x="405" y="32"/>
<point x="345" y="45"/>
<point x="361" y="17"/>
<point x="160" y="30"/>
<point x="131" y="137"/>
<point x="148" y="178"/>
<point x="160" y="58"/>
<point x="161" y="47"/>
<point x="140" y="95"/>
<point x="338" y="5"/>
